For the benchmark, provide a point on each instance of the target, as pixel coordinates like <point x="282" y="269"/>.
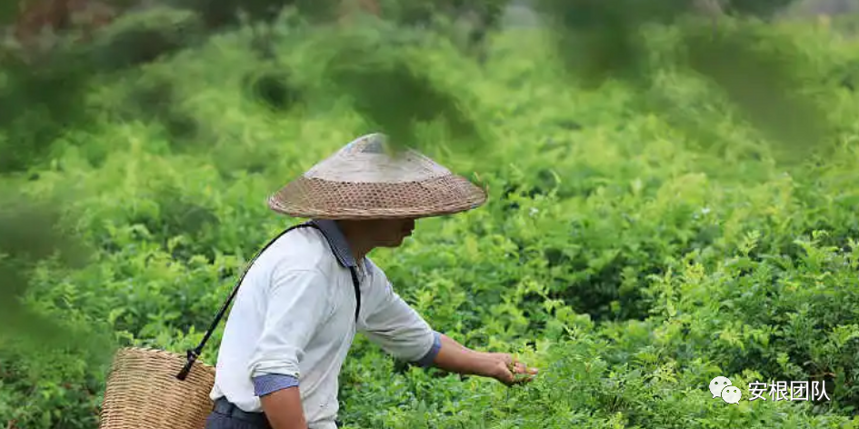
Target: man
<point x="313" y="288"/>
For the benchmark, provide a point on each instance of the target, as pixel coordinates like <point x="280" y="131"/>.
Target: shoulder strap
<point x="193" y="354"/>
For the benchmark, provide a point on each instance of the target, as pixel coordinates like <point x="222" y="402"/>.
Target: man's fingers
<point x="509" y="379"/>
<point x="525" y="375"/>
<point x="517" y="372"/>
<point x="521" y="368"/>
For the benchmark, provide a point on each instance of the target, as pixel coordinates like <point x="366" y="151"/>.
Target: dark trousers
<point x="227" y="416"/>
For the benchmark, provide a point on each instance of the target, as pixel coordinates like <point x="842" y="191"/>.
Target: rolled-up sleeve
<point x="298" y="302"/>
<point x="400" y="331"/>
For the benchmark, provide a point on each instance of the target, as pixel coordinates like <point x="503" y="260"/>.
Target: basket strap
<point x="193" y="354"/>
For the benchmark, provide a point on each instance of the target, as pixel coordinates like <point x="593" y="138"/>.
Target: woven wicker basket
<point x="143" y="392"/>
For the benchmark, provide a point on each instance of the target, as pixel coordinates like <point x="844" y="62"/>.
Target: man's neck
<point x="359" y="245"/>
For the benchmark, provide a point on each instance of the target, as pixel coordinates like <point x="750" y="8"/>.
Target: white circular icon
<point x="717" y="384"/>
<point x="732" y="394"/>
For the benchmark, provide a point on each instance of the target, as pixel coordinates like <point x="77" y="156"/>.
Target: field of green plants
<point x="638" y="240"/>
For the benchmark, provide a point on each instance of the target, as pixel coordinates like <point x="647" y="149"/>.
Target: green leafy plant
<point x="628" y="259"/>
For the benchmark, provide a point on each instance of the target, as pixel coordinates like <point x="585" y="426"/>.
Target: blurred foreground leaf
<point x="599" y="40"/>
<point x="39" y="101"/>
<point x="759" y="74"/>
<point x="142" y="37"/>
<point x="31" y="232"/>
<point x="391" y="89"/>
<point x="762" y="76"/>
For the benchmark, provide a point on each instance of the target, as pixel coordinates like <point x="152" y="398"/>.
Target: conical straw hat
<point x="363" y="181"/>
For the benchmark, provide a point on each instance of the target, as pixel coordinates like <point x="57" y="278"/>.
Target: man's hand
<point x="509" y="370"/>
<point x="457" y="358"/>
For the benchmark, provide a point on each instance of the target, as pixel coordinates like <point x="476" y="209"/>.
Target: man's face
<point x="391" y="232"/>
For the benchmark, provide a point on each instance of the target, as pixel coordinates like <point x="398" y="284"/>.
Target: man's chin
<point x="395" y="243"/>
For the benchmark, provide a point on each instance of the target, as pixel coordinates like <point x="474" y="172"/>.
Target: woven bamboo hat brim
<point x="364" y="181"/>
<point x="143" y="393"/>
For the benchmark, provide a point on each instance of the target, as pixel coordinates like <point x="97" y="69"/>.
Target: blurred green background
<point x="672" y="195"/>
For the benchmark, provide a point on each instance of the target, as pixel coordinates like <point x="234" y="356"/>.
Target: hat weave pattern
<point x="362" y="181"/>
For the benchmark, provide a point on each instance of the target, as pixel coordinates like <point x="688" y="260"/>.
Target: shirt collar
<point x="338" y="243"/>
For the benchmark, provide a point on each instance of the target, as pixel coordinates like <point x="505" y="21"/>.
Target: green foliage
<point x="38" y="104"/>
<point x="377" y="70"/>
<point x="759" y="73"/>
<point x="630" y="260"/>
<point x="139" y="38"/>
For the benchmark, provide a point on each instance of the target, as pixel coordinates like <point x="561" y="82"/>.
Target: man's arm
<point x="399" y="329"/>
<point x="283" y="409"/>
<point x="454" y="357"/>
